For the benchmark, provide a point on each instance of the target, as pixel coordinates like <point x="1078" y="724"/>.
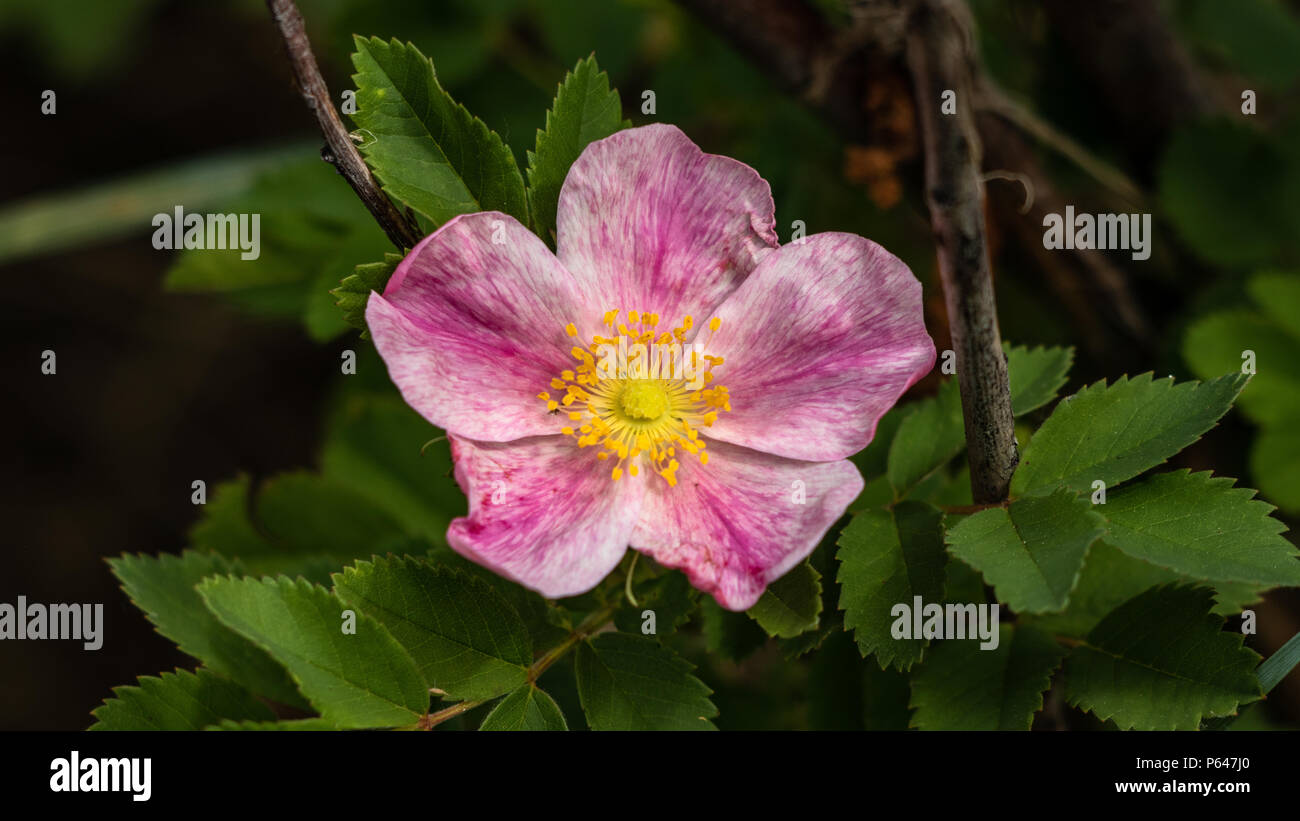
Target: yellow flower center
<point x="641" y="395"/>
<point x="643" y="400"/>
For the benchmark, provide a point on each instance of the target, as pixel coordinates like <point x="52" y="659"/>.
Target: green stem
<point x="627" y="584"/>
<point x="593" y="623"/>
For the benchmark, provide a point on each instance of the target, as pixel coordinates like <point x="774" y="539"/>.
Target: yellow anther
<point x="644" y="415"/>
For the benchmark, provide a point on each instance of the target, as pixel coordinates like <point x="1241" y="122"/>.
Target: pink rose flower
<point x="732" y="475"/>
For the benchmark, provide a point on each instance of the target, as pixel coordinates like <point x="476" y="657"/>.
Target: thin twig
<point x="343" y="154"/>
<point x="591" y="625"/>
<point x="855" y="91"/>
<point x="939" y="57"/>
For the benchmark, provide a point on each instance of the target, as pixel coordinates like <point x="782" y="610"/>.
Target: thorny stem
<point x="938" y="49"/>
<point x="342" y="153"/>
<point x="590" y="625"/>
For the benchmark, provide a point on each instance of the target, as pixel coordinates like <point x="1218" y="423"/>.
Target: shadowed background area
<point x="166" y="376"/>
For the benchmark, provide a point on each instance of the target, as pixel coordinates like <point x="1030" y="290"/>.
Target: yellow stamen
<point x="644" y="408"/>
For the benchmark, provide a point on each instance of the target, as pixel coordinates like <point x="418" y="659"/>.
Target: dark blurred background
<point x="164" y="378"/>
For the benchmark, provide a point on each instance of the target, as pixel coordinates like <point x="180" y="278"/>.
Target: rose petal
<point x="818" y="343"/>
<point x="649" y="222"/>
<point x="543" y="512"/>
<point x="735" y="525"/>
<point x="472" y="330"/>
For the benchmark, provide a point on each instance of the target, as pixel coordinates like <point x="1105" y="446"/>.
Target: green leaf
<point x="297" y="524"/>
<point x="962" y="583"/>
<point x="1230" y="598"/>
<point x="1114" y="433"/>
<point x="1111" y="577"/>
<point x="585" y="110"/>
<point x="1214" y="344"/>
<point x="226" y="526"/>
<point x="467" y="640"/>
<point x="634" y="683"/>
<point x="888" y="557"/>
<point x="1275" y="463"/>
<point x="375" y="446"/>
<point x="1161" y="662"/>
<point x="427" y="150"/>
<point x="927" y="438"/>
<point x="1202" y="527"/>
<point x="547" y="623"/>
<point x="960" y="686"/>
<point x="1217" y="343"/>
<point x="354" y="290"/>
<point x="178" y="701"/>
<point x="355" y="680"/>
<point x="874" y="458"/>
<point x="1032" y="551"/>
<point x="527" y="708"/>
<point x="1036" y="374"/>
<point x="1259" y="38"/>
<point x="296" y="725"/>
<point x="792" y="604"/>
<point x="1270" y="673"/>
<point x="312" y="232"/>
<point x="1277" y="294"/>
<point x="306" y="514"/>
<point x="1249" y="170"/>
<point x="163" y="587"/>
<point x="876" y="492"/>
